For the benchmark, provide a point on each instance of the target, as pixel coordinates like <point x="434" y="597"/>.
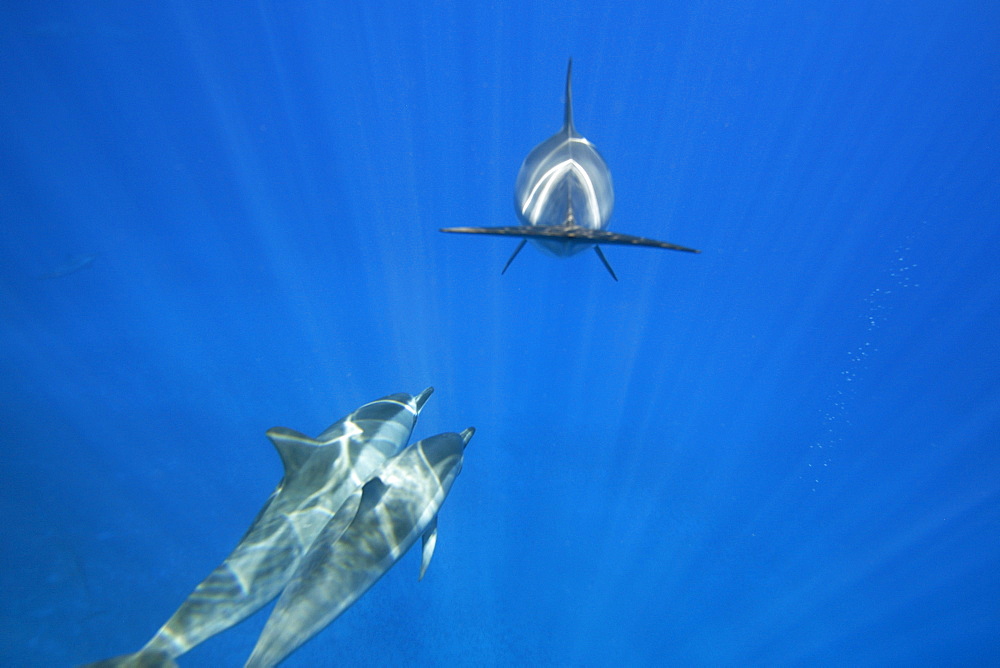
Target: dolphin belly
<point x="564" y="197"/>
<point x="561" y="247"/>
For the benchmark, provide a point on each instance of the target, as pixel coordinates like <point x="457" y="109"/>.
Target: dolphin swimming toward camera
<point x="388" y="514"/>
<point x="564" y="198"/>
<point x="320" y="475"/>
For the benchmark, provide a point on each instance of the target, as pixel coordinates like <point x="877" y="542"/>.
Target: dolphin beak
<point x="421" y="398"/>
<point x="467" y="435"/>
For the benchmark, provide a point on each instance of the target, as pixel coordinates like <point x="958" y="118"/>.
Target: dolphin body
<point x="392" y="509"/>
<point x="564" y="198"/>
<point x="320" y="475"/>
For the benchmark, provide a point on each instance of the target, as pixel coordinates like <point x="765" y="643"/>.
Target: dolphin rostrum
<point x="320" y="475"/>
<point x="564" y="198"/>
<point x="393" y="509"/>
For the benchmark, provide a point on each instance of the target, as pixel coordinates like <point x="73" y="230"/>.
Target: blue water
<point x="781" y="452"/>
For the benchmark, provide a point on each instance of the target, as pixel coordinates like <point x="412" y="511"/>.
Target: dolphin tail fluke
<point x="513" y="255"/>
<point x="137" y="660"/>
<point x="607" y="265"/>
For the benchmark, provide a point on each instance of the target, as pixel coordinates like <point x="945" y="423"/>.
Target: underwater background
<point x="220" y="217"/>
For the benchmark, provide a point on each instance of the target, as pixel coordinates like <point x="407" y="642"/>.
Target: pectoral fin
<point x="514" y="255"/>
<point x="430" y="540"/>
<point x="607" y="265"/>
<point x="337" y="524"/>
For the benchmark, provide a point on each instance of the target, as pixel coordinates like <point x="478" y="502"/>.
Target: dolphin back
<point x="396" y="507"/>
<point x="321" y="474"/>
<point x="564" y="182"/>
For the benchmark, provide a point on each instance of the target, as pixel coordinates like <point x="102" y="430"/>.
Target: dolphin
<point x="564" y="198"/>
<point x="320" y="475"/>
<point x="393" y="508"/>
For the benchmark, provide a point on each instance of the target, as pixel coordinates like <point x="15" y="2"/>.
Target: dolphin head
<point x="386" y="423"/>
<point x="443" y="453"/>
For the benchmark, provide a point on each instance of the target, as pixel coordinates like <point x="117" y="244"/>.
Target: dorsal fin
<point x="568" y="117"/>
<point x="293" y="447"/>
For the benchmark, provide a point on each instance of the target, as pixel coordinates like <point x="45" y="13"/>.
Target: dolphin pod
<point x="390" y="512"/>
<point x="351" y="503"/>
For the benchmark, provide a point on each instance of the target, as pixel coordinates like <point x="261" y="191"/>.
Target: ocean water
<point x="220" y="217"/>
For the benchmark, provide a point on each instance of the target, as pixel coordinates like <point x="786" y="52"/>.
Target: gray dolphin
<point x="392" y="510"/>
<point x="320" y="475"/>
<point x="564" y="198"/>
